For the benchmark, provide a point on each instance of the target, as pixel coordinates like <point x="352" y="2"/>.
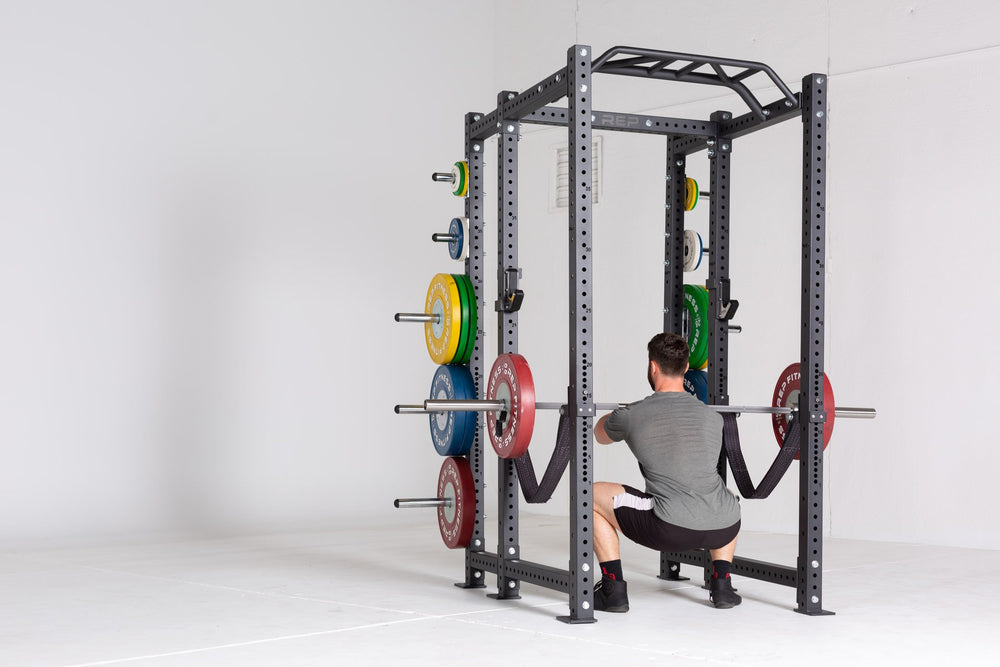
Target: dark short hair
<point x="670" y="352"/>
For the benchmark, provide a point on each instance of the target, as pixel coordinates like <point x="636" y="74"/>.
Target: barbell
<point x="510" y="407"/>
<point x="458" y="177"/>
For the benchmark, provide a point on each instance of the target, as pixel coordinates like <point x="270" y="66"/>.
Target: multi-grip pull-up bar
<point x="690" y="68"/>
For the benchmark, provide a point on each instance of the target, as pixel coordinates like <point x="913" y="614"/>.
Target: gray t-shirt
<point x="677" y="441"/>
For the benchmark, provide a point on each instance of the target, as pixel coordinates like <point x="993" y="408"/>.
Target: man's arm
<point x="600" y="434"/>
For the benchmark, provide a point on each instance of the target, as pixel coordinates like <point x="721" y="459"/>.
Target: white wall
<point x="210" y="211"/>
<point x="908" y="204"/>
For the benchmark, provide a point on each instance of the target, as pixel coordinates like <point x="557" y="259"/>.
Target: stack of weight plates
<point x="451" y="337"/>
<point x="696" y="384"/>
<point x="695" y="324"/>
<point x="453" y="432"/>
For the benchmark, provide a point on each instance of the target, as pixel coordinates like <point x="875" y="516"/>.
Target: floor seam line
<point x="319" y="633"/>
<point x="234" y="589"/>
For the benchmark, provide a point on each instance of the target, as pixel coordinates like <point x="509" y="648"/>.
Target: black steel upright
<point x="474" y="576"/>
<point x="719" y="153"/>
<point x="673" y="240"/>
<point x="508" y="538"/>
<point x="581" y="333"/>
<point x="812" y="415"/>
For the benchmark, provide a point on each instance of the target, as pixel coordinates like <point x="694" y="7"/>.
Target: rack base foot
<point x="575" y="621"/>
<point x="821" y="612"/>
<point x="501" y="596"/>
<point x="465" y="584"/>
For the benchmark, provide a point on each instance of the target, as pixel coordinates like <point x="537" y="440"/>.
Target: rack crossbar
<point x="538" y="574"/>
<point x="744" y="567"/>
<point x="733" y="128"/>
<point x="629" y="122"/>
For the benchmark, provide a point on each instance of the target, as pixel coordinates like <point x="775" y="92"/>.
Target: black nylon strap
<point x="540" y="493"/>
<point x="731" y="441"/>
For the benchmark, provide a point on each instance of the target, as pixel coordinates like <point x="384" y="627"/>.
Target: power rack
<point x="684" y="137"/>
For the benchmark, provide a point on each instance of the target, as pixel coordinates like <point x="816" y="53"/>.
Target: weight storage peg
<point x="694" y="324"/>
<point x="450" y="318"/>
<point x="510" y="405"/>
<point x="694" y="250"/>
<point x="458" y="177"/>
<point x="692" y="194"/>
<point x="455" y="502"/>
<point x="410" y="503"/>
<point x="457" y="238"/>
<point x="453" y="432"/>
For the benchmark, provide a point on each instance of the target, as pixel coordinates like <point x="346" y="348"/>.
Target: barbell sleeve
<point x="443" y="405"/>
<point x="416" y="317"/>
<point x="855" y="413"/>
<point x="478" y="405"/>
<point x="410" y="503"/>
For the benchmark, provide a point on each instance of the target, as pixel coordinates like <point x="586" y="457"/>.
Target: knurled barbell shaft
<point x="843" y="412"/>
<point x="443" y="238"/>
<point x="410" y="503"/>
<point x="416" y="317"/>
<point x="560" y="406"/>
<point x="849" y="413"/>
<point x="444" y="405"/>
<point x="440" y="177"/>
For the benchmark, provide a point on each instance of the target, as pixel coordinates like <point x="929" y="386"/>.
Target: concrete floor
<point x="384" y="596"/>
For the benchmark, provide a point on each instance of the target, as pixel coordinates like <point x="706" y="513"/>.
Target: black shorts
<point x="641" y="525"/>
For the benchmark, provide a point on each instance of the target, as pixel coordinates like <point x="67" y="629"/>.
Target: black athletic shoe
<point x="611" y="595"/>
<point x="723" y="595"/>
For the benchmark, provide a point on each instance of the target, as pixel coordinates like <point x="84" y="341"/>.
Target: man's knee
<point x="605" y="492"/>
<point x="604" y="500"/>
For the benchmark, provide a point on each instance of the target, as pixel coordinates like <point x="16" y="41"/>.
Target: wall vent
<point x="559" y="189"/>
